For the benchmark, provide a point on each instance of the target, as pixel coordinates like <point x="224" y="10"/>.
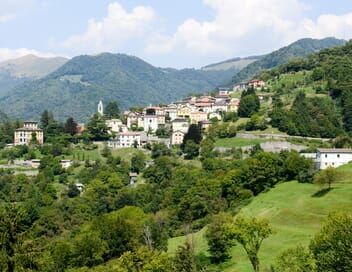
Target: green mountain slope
<point x="75" y="88"/>
<point x="301" y="48"/>
<point x="295" y="213"/>
<point x="16" y="71"/>
<point x="3" y="117"/>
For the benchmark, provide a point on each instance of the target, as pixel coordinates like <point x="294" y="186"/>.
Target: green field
<point x="237" y="142"/>
<point x="295" y="214"/>
<point x="95" y="154"/>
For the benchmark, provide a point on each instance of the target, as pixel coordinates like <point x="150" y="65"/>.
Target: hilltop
<point x="16" y="71"/>
<point x="76" y="87"/>
<point x="299" y="49"/>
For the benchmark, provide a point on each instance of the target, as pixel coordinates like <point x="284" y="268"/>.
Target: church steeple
<point x="101" y="108"/>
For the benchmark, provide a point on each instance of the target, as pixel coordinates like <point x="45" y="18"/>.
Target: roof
<point x="179" y="120"/>
<point x="29" y="129"/>
<point x="130" y="133"/>
<point x="335" y="150"/>
<point x="133" y="174"/>
<point x="178" y="131"/>
<point x="205" y="122"/>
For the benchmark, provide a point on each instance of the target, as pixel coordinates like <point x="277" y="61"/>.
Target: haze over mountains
<point x="73" y="87"/>
<point x="30" y="67"/>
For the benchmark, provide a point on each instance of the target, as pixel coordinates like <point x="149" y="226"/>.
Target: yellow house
<point x="184" y="111"/>
<point x="198" y="116"/>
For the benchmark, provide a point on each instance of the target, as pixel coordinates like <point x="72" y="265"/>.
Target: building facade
<point x="180" y="124"/>
<point x="127" y="139"/>
<point x="333" y="157"/>
<point x="28" y="133"/>
<point x="177" y="137"/>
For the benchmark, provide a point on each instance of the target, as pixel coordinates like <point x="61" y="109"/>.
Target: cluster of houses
<point x="140" y="127"/>
<point x="175" y="117"/>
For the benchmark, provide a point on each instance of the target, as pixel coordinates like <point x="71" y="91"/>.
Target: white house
<point x="116" y="125"/>
<point x="330" y="157"/>
<point x="65" y="164"/>
<point x="127" y="139"/>
<point x="171" y="112"/>
<point x="151" y="123"/>
<point x="177" y="137"/>
<point x="180" y="124"/>
<point x="219" y="106"/>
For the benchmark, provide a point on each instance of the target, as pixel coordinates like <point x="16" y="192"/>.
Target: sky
<point x="166" y="33"/>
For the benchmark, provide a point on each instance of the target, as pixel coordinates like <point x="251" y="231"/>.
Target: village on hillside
<point x="168" y="125"/>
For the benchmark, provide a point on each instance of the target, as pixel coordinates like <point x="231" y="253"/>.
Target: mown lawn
<point x="237" y="142"/>
<point x="295" y="214"/>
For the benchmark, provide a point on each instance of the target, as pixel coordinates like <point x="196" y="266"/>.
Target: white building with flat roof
<point x="128" y="139"/>
<point x="180" y="124"/>
<point x="333" y="157"/>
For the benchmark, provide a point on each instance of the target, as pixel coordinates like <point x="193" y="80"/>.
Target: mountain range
<point x="74" y="87"/>
<point x="298" y="49"/>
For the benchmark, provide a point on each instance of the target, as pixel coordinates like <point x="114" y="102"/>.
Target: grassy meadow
<point x="296" y="213"/>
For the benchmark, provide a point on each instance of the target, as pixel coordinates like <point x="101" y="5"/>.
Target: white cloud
<point x="117" y="28"/>
<point x="11" y="8"/>
<point x="250" y="26"/>
<point x="7" y="53"/>
<point x="6" y="17"/>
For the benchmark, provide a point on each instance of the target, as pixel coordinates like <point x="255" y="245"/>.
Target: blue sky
<point x="182" y="33"/>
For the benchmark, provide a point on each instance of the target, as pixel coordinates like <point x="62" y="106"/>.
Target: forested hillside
<point x="76" y="88"/>
<point x="312" y="96"/>
<point x="301" y="48"/>
<point x="3" y="117"/>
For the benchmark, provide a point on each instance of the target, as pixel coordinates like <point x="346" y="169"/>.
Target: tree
<point x="70" y="126"/>
<point x="138" y="162"/>
<point x="193" y="134"/>
<point x="326" y="177"/>
<point x="191" y="150"/>
<point x="206" y="147"/>
<point x="106" y="151"/>
<point x="160" y="149"/>
<point x="97" y="128"/>
<point x="46" y="119"/>
<point x="249" y="105"/>
<point x="112" y="110"/>
<point x="185" y="260"/>
<point x="298" y="259"/>
<point x="88" y="249"/>
<point x="347" y="110"/>
<point x="250" y="233"/>
<point x="13" y="229"/>
<point x="219" y="237"/>
<point x="332" y="246"/>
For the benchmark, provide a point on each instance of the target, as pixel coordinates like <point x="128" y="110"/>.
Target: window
<point x="326" y="155"/>
<point x="338" y="155"/>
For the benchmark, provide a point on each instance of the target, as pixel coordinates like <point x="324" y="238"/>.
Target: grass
<point x="95" y="154"/>
<point x="295" y="214"/>
<point x="237" y="142"/>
